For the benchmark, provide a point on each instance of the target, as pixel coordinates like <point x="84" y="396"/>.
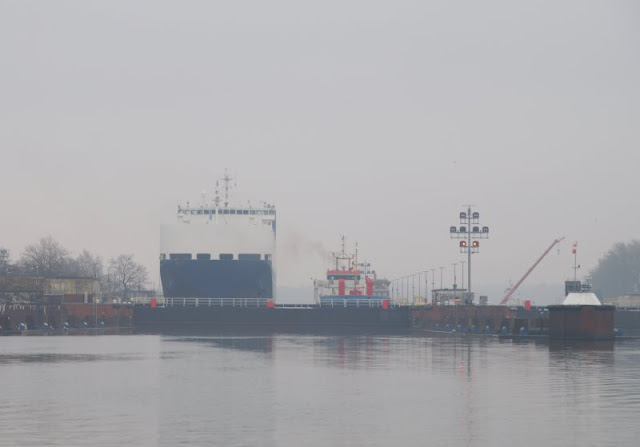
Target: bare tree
<point x="85" y="265"/>
<point x="88" y="265"/>
<point x="618" y="271"/>
<point x="4" y="261"/>
<point x="46" y="257"/>
<point x="127" y="274"/>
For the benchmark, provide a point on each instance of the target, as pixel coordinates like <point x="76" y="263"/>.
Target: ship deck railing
<point x="216" y="302"/>
<point x="351" y="302"/>
<point x="265" y="302"/>
<point x="635" y="307"/>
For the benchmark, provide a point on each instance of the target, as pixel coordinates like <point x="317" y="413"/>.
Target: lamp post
<point x="433" y="281"/>
<point x="395" y="289"/>
<point x="407" y="287"/>
<point x="111" y="286"/>
<point x="469" y="229"/>
<point x="455" y="285"/>
<point x="426" y="287"/>
<point x="413" y="288"/>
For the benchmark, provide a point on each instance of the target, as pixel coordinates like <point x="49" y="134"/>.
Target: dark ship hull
<point x="216" y="278"/>
<point x="211" y="319"/>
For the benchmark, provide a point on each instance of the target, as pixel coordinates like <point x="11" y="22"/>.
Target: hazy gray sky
<point x="377" y="120"/>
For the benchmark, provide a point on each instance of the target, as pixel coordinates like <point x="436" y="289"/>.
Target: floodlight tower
<point x="469" y="232"/>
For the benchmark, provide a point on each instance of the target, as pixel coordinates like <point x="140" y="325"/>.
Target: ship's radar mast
<point x="343" y="256"/>
<point x="355" y="264"/>
<point x="216" y="200"/>
<point x="226" y="179"/>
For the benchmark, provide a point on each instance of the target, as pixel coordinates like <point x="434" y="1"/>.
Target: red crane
<point x="513" y="289"/>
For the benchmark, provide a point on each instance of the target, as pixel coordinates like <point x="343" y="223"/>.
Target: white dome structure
<point x="581" y="299"/>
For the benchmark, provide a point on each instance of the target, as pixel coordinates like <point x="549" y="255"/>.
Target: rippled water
<point x="318" y="391"/>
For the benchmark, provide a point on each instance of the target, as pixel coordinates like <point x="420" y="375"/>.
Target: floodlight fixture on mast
<point x="469" y="232"/>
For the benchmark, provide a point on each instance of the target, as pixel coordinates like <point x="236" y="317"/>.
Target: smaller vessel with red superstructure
<point x="349" y="283"/>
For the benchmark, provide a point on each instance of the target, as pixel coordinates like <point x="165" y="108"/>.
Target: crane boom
<point x="513" y="289"/>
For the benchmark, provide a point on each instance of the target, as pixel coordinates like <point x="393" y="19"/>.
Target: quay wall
<point x="469" y="317"/>
<point x="34" y="316"/>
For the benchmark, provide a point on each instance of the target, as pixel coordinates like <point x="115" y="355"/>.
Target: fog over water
<point x="377" y="120"/>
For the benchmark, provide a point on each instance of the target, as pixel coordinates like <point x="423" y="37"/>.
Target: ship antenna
<point x="339" y="256"/>
<point x="343" y="256"/>
<point x="343" y="253"/>
<point x="216" y="200"/>
<point x="356" y="263"/>
<point x="575" y="267"/>
<point x="226" y="180"/>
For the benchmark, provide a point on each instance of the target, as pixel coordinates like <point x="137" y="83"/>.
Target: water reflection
<point x="581" y="345"/>
<point x="288" y="390"/>
<point x="253" y="344"/>
<point x="62" y="358"/>
<point x="586" y="353"/>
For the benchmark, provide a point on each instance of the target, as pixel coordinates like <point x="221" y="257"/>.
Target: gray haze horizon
<point x="374" y="120"/>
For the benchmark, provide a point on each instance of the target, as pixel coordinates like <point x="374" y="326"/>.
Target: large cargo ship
<point x="217" y="250"/>
<point x="217" y="267"/>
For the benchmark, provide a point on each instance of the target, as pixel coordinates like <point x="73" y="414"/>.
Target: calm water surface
<point x="318" y="391"/>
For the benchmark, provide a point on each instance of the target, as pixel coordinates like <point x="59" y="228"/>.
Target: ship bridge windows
<point x="180" y="256"/>
<point x="226" y="256"/>
<point x="203" y="256"/>
<point x="234" y="211"/>
<point x="345" y="277"/>
<point x="249" y="257"/>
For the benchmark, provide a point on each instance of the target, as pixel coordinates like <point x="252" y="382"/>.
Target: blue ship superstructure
<point x="217" y="250"/>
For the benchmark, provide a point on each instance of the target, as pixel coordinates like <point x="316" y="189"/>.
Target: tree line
<point x="49" y="259"/>
<point x="618" y="271"/>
